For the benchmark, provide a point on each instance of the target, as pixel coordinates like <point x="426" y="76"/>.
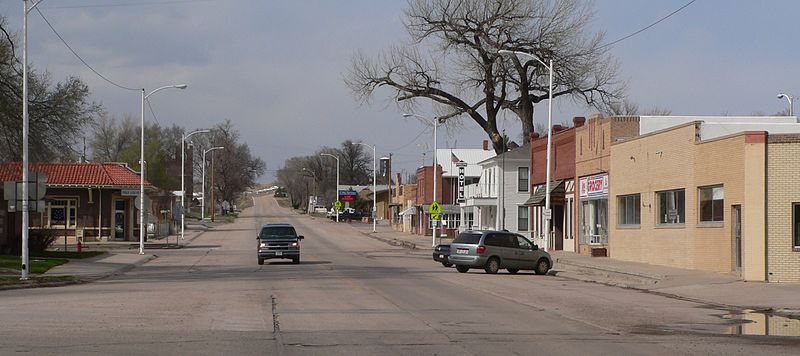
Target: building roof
<point x="447" y="158"/>
<point x="520" y="153"/>
<point x="75" y="174"/>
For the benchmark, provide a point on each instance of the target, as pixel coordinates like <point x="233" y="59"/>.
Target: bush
<point x="39" y="240"/>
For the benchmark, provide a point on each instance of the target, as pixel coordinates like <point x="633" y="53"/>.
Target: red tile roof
<point x="90" y="174"/>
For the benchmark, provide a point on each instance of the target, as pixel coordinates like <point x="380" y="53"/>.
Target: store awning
<point x="410" y="211"/>
<point x="556" y="195"/>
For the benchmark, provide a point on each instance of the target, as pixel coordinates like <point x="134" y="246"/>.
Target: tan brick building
<point x="677" y="199"/>
<point x="592" y="164"/>
<point x="783" y="207"/>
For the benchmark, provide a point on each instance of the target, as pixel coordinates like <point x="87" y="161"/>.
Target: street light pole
<point x="374" y="186"/>
<point x="337" y="180"/>
<point x="549" y="140"/>
<point x="183" y="179"/>
<point x="142" y="231"/>
<point x="436" y="121"/>
<point x="25" y="205"/>
<point x="203" y="202"/>
<point x="791" y="102"/>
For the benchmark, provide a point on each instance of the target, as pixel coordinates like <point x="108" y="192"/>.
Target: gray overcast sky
<point x="275" y="67"/>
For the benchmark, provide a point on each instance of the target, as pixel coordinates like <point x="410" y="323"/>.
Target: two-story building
<point x="497" y="200"/>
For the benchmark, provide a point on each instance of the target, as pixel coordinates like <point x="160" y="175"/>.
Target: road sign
<point x="434" y="208"/>
<point x="435" y="217"/>
<point x="548" y="214"/>
<point x="138" y="203"/>
<point x="337" y="205"/>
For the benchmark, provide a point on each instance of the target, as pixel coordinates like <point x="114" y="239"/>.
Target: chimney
<point x="578" y="121"/>
<point x="534" y="135"/>
<point x="557" y="128"/>
<point x="485" y="145"/>
<point x="399" y="179"/>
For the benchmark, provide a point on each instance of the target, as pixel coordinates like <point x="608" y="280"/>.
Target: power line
<point x="409" y="142"/>
<point x="152" y="112"/>
<point x="128" y="4"/>
<point x="647" y="27"/>
<point x="79" y="57"/>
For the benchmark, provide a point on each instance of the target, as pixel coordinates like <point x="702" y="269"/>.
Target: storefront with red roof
<point x="87" y="201"/>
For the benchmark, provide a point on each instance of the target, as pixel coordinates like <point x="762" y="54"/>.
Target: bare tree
<point x="464" y="74"/>
<point x="110" y="137"/>
<point x="625" y="107"/>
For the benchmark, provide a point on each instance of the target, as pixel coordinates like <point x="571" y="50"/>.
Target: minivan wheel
<point x="513" y="270"/>
<point x="492" y="266"/>
<point x="542" y="266"/>
<point x="462" y="269"/>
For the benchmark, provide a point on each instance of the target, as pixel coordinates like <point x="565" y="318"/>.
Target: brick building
<point x="693" y="196"/>
<point x="592" y="166"/>
<point x="82" y="199"/>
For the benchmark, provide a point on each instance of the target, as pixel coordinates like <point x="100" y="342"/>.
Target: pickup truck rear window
<point x="467" y="238"/>
<point x="272" y="232"/>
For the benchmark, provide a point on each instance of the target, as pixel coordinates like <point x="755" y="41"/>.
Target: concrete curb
<point x="393" y="242"/>
<point x="593" y="268"/>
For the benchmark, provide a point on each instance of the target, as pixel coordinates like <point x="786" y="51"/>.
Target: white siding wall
<point x="512" y="197"/>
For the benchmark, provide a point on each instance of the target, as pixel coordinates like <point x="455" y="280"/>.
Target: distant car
<point x="441" y="253"/>
<point x="493" y="250"/>
<point x="278" y="241"/>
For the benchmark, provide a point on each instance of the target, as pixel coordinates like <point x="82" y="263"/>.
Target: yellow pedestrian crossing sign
<point x="338" y="205"/>
<point x="434" y="209"/>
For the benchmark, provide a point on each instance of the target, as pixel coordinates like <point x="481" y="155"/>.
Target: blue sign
<point x="347" y="195"/>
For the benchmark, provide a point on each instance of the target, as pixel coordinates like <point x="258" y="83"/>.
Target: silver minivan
<point x="493" y="250"/>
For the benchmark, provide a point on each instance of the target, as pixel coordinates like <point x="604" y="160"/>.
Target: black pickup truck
<point x="278" y="241"/>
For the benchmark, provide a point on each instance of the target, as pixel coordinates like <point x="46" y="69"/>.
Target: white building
<point x="496" y="201"/>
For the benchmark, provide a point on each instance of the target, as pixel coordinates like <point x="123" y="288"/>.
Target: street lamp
<point x="790" y="99"/>
<point x="337" y="180"/>
<point x="436" y="121"/>
<point x="183" y="179"/>
<point x="374" y="186"/>
<point x="142" y="231"/>
<point x="548" y="213"/>
<point x="203" y="202"/>
<point x="25" y="214"/>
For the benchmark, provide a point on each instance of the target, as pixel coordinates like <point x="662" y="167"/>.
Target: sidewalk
<point x="719" y="289"/>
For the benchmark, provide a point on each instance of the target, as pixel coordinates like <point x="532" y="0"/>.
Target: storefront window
<point x="711" y="203"/>
<point x="629" y="209"/>
<point x="594" y="221"/>
<point x="61" y="212"/>
<point x="671" y="207"/>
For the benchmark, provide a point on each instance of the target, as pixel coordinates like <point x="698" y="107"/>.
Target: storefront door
<point x="736" y="211"/>
<point x="120" y="220"/>
<point x="569" y="236"/>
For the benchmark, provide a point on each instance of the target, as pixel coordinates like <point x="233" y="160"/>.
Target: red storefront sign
<point x="594" y="186"/>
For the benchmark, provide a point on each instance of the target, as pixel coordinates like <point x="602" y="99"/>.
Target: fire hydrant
<point x="79" y="246"/>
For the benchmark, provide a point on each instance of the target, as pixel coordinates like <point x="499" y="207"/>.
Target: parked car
<point x="441" y="253"/>
<point x="493" y="250"/>
<point x="278" y="241"/>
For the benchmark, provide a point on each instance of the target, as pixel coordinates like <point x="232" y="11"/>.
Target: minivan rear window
<point x="277" y="231"/>
<point x="467" y="238"/>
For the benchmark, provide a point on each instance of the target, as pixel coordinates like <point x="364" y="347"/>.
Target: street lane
<point x="350" y="295"/>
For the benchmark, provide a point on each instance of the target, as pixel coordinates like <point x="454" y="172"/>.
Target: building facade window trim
<point x="711" y="204"/>
<point x="61" y="212"/>
<point x="523" y="218"/>
<point x="671" y="207"/>
<point x="629" y="210"/>
<point x="523" y="179"/>
<point x="796" y="226"/>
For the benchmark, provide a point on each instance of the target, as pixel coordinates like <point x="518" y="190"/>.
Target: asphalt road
<point x="352" y="295"/>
